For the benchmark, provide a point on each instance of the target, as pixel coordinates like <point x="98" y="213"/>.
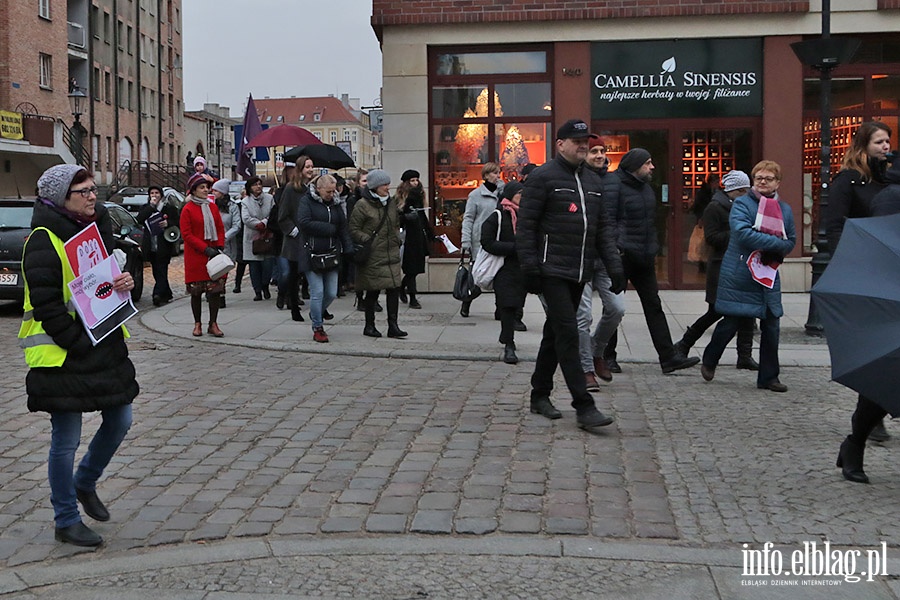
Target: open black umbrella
<point x="322" y="155"/>
<point x="858" y="298"/>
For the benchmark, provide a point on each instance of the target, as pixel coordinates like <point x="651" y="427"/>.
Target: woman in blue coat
<point x="739" y="294"/>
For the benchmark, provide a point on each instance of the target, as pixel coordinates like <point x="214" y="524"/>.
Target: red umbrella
<point x="282" y="135"/>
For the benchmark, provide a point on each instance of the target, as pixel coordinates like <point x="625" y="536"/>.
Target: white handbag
<point x="486" y="264"/>
<point x="218" y="266"/>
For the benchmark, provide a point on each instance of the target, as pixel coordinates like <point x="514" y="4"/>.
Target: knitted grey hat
<point x="735" y="180"/>
<point x="54" y="184"/>
<point x="222" y="186"/>
<point x="377" y="178"/>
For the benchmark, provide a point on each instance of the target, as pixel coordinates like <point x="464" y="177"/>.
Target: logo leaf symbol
<point x="668" y="65"/>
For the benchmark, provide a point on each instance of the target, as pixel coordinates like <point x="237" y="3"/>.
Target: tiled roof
<point x="302" y="111"/>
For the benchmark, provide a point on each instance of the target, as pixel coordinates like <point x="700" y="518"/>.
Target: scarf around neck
<point x="80" y="219"/>
<point x="209" y="225"/>
<point x="513" y="209"/>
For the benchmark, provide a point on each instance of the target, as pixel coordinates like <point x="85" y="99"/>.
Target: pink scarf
<point x="513" y="209"/>
<point x="769" y="218"/>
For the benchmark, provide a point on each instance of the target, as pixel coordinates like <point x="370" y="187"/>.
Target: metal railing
<point x="76" y="35"/>
<point x="141" y="173"/>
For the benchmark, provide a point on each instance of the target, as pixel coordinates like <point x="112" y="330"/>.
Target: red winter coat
<point x="194" y="244"/>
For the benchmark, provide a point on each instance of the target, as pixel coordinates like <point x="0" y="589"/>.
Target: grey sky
<point x="278" y="48"/>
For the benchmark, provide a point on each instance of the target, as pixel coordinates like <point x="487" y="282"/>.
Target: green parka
<point x="382" y="270"/>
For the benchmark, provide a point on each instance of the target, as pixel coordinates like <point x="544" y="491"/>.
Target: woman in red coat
<point x="204" y="237"/>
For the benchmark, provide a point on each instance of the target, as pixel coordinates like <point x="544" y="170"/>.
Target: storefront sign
<point x="11" y="125"/>
<point x="676" y="78"/>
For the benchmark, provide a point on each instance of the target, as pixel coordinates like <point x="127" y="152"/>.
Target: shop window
<point x="846" y="92"/>
<point x="491" y="63"/>
<point x="505" y="118"/>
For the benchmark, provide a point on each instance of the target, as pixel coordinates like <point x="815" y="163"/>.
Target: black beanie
<point x="511" y="189"/>
<point x="634" y="159"/>
<point x="409" y="174"/>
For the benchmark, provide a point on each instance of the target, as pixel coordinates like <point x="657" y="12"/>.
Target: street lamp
<point x="219" y="128"/>
<point x="76" y="145"/>
<point x="823" y="54"/>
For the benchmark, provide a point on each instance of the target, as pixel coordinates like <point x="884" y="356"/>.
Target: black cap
<point x="511" y="189"/>
<point x="573" y="129"/>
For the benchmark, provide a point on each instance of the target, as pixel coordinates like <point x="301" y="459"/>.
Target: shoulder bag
<point x="486" y="265"/>
<point x="363" y="250"/>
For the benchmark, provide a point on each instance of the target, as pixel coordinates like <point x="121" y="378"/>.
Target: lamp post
<point x="823" y="54"/>
<point x="219" y="128"/>
<point x="76" y="145"/>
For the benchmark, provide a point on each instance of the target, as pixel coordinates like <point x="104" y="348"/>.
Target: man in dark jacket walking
<point x="561" y="229"/>
<point x="639" y="245"/>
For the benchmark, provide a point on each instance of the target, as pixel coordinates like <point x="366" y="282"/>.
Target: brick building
<point x="706" y="86"/>
<point x="124" y="56"/>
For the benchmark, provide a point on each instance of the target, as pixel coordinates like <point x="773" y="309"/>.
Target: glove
<point x="619" y="282"/>
<point x="260" y="226"/>
<point x="294" y="232"/>
<point x="210" y="252"/>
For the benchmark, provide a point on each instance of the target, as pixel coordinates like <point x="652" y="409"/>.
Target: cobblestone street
<point x="255" y="448"/>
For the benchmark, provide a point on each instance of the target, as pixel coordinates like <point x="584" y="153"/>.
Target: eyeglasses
<point x="763" y="179"/>
<point x="85" y="192"/>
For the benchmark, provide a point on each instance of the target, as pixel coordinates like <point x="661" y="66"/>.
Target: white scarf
<point x="209" y="225"/>
<point x="383" y="199"/>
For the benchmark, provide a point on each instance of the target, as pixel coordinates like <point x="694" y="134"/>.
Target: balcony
<point x="77" y="36"/>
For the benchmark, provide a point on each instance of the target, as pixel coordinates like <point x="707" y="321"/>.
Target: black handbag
<point x="464" y="288"/>
<point x="363" y="250"/>
<point x="324" y="262"/>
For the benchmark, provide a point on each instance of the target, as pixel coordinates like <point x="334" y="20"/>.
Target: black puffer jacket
<point x="509" y="288"/>
<point x="887" y="201"/>
<point x="562" y="226"/>
<point x="611" y="190"/>
<point x="323" y="228"/>
<point x="717" y="233"/>
<point x="850" y="197"/>
<point x="636" y="218"/>
<point x="92" y="377"/>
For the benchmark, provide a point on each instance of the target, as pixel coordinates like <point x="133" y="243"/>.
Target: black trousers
<point x="865" y="418"/>
<point x="642" y="276"/>
<point x="559" y="345"/>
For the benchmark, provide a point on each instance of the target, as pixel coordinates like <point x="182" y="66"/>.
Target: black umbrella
<point x="858" y="298"/>
<point x="322" y="155"/>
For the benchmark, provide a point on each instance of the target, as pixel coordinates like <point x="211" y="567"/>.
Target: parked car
<point x="129" y="236"/>
<point x="133" y="198"/>
<point x="15" y="226"/>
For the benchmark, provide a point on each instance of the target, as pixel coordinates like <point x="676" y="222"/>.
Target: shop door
<point x="685" y="156"/>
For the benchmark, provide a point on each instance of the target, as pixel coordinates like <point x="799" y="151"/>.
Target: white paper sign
<point x="450" y="246"/>
<point x="761" y="273"/>
<point x="101" y="308"/>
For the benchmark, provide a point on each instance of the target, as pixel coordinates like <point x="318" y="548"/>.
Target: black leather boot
<point x="394" y="331"/>
<point x="745" y="351"/>
<point x="464" y="309"/>
<point x="509" y="354"/>
<point x="369" y="329"/>
<point x="850" y="461"/>
<point x="687" y="341"/>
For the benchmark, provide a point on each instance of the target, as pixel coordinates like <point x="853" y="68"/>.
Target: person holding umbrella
<point x="869" y="415"/>
<point x="861" y="178"/>
<point x="762" y="233"/>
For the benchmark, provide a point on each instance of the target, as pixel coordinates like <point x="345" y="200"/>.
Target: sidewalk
<point x="437" y="331"/>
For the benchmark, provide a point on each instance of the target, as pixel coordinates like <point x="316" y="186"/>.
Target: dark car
<point x="15" y="226"/>
<point x="133" y="198"/>
<point x="129" y="237"/>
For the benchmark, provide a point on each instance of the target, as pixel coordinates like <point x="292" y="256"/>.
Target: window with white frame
<point x="333" y="136"/>
<point x="318" y="135"/>
<point x="46" y="80"/>
<point x="317" y="117"/>
<point x="44" y="9"/>
<point x="353" y="135"/>
<point x="346" y="135"/>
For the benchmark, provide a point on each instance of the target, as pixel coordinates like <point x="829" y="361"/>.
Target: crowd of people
<point x="568" y="228"/>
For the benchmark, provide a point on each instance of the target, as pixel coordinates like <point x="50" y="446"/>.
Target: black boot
<point x="279" y="301"/>
<point x="360" y="303"/>
<point x="850" y="461"/>
<point x="369" y="329"/>
<point x="296" y="313"/>
<point x="745" y="350"/>
<point x="464" y="309"/>
<point x="394" y="331"/>
<point x="509" y="354"/>
<point x="687" y="341"/>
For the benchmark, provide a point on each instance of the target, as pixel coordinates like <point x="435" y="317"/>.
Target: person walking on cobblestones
<point x="69" y="375"/>
<point x="590" y="346"/>
<point x="561" y="229"/>
<point x="481" y="203"/>
<point x="717" y="232"/>
<point x="760" y="222"/>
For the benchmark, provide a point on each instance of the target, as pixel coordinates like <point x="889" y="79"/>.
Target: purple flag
<point x="246" y="168"/>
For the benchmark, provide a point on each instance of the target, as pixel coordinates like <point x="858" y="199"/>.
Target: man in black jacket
<point x="561" y="229"/>
<point x="639" y="244"/>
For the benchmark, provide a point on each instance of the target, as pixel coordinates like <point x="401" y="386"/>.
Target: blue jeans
<point x="281" y="274"/>
<point x="589" y="345"/>
<point x="769" y="332"/>
<point x="322" y="290"/>
<point x="64" y="440"/>
<point x="261" y="273"/>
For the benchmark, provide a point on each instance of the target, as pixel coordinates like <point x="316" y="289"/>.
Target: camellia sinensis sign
<point x="676" y="78"/>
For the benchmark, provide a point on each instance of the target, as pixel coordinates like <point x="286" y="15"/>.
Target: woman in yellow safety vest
<point x="68" y="374"/>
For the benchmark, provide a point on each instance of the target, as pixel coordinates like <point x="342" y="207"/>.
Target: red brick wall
<point x="886" y="4"/>
<point x="427" y="12"/>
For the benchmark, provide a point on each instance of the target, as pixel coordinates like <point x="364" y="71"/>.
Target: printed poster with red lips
<point x="101" y="308"/>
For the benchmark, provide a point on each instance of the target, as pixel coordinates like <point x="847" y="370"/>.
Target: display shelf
<point x="704" y="152"/>
<point x="616" y="147"/>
